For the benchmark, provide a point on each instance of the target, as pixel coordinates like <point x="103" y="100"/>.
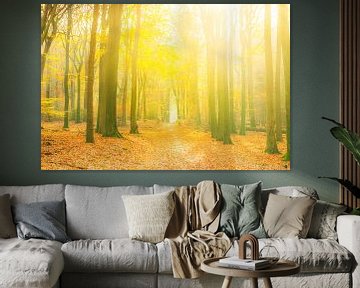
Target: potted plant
<point x="351" y="141"/>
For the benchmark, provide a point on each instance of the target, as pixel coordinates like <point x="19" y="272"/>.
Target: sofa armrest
<point x="348" y="230"/>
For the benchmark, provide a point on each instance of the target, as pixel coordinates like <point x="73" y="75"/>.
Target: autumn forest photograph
<point x="165" y="86"/>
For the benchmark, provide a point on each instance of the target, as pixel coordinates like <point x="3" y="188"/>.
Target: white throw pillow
<point x="149" y="215"/>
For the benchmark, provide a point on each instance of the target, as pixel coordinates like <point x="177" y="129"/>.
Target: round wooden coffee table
<point x="281" y="268"/>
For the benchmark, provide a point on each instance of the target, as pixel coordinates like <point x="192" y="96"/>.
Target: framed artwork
<point x="165" y="87"/>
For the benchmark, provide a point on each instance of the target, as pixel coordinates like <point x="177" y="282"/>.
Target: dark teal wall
<point x="314" y="93"/>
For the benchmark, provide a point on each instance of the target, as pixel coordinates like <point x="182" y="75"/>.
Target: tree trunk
<point x="50" y="16"/>
<point x="243" y="76"/>
<point x="139" y="95"/>
<point x="45" y="52"/>
<point x="78" y="99"/>
<point x="225" y="99"/>
<point x="90" y="78"/>
<point x="251" y="93"/>
<point x="134" y="84"/>
<point x="211" y="89"/>
<point x="271" y="146"/>
<point x="222" y="74"/>
<point x="250" y="81"/>
<point x="231" y="70"/>
<point x="85" y="95"/>
<point x="72" y="98"/>
<point x="277" y="83"/>
<point x="66" y="74"/>
<point x="209" y="29"/>
<point x="48" y="84"/>
<point x="124" y="94"/>
<point x="111" y="70"/>
<point x="193" y="58"/>
<point x="144" y="78"/>
<point x="128" y="46"/>
<point x="242" y="130"/>
<point x="285" y="47"/>
<point x="100" y="122"/>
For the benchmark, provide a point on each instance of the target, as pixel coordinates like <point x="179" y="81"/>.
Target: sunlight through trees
<point x="222" y="69"/>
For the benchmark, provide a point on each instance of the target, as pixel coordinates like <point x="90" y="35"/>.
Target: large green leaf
<point x="348" y="138"/>
<point x="348" y="185"/>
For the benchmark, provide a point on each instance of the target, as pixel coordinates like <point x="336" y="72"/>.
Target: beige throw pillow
<point x="288" y="217"/>
<point x="7" y="226"/>
<point x="148" y="215"/>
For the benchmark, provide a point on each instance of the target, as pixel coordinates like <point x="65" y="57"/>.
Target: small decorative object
<point x="254" y="246"/>
<point x="270" y="253"/>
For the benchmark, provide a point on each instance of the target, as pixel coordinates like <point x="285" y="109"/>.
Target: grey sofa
<point x="101" y="255"/>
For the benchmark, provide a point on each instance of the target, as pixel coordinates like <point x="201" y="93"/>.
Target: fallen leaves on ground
<point x="158" y="147"/>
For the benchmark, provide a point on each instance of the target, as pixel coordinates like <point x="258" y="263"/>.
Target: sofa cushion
<point x="98" y="213"/>
<point x="240" y="210"/>
<point x="163" y="188"/>
<point x="7" y="226"/>
<point x="30" y="263"/>
<point x="287" y="216"/>
<point x="42" y="220"/>
<point x="164" y="257"/>
<point x="36" y="193"/>
<point x="117" y="255"/>
<point x="149" y="215"/>
<point x="323" y="222"/>
<point x="313" y="255"/>
<point x="291" y="191"/>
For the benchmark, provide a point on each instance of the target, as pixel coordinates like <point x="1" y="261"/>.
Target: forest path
<point x="158" y="147"/>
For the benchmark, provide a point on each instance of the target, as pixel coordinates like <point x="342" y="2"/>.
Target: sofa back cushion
<point x="290" y="191"/>
<point x="163" y="188"/>
<point x="323" y="222"/>
<point x="7" y="226"/>
<point x="36" y="193"/>
<point x="98" y="213"/>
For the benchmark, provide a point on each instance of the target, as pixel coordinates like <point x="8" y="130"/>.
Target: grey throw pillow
<point x="7" y="226"/>
<point x="240" y="213"/>
<point x="323" y="222"/>
<point x="44" y="220"/>
<point x="288" y="217"/>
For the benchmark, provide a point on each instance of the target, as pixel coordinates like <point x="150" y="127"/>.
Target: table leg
<point x="227" y="282"/>
<point x="267" y="283"/>
<point x="254" y="282"/>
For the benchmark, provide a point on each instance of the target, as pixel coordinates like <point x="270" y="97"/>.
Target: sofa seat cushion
<point x="115" y="255"/>
<point x="313" y="255"/>
<point x="30" y="263"/>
